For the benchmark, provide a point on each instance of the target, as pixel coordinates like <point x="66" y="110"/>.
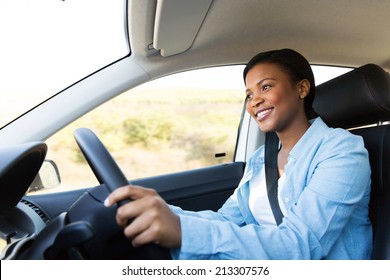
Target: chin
<point x="266" y="128"/>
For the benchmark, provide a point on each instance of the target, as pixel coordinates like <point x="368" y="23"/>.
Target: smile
<point x="262" y="114"/>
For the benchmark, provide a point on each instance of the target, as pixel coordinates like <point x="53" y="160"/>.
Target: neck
<point x="289" y="137"/>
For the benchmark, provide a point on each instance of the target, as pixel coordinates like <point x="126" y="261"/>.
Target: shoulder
<point x="339" y="138"/>
<point x="322" y="141"/>
<point x="341" y="145"/>
<point x="322" y="133"/>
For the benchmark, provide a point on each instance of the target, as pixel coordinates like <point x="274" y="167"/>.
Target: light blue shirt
<point x="326" y="197"/>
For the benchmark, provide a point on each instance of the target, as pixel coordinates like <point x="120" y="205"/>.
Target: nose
<point x="257" y="99"/>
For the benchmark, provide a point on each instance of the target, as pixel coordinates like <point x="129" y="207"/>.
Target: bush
<point x="147" y="130"/>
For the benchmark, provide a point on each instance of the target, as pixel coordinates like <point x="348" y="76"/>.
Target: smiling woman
<point x="39" y="49"/>
<point x="183" y="138"/>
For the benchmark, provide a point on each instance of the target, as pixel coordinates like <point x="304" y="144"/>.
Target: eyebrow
<point x="260" y="82"/>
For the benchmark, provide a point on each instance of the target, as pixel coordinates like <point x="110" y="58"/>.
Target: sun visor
<point x="177" y="23"/>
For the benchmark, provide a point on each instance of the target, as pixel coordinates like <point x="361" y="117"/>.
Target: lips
<point x="262" y="114"/>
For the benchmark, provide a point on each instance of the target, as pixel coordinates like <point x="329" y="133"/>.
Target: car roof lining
<point x="251" y="26"/>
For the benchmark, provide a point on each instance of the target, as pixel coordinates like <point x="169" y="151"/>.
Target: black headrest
<point x="357" y="98"/>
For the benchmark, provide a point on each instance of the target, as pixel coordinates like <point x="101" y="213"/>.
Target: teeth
<point x="263" y="112"/>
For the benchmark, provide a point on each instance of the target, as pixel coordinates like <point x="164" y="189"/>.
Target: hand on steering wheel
<point x="152" y="221"/>
<point x="148" y="209"/>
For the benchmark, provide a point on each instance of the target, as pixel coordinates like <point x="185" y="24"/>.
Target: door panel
<point x="199" y="189"/>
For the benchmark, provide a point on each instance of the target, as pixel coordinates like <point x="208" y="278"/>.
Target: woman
<point x="324" y="184"/>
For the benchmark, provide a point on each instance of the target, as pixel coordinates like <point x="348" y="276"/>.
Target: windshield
<point x="46" y="45"/>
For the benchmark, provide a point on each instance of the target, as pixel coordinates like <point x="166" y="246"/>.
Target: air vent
<point x="37" y="210"/>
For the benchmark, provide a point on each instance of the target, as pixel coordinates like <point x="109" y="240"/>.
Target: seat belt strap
<point x="271" y="174"/>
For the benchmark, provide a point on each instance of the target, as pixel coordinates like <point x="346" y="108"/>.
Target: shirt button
<point x="287" y="200"/>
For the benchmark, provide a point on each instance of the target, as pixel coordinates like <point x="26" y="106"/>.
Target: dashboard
<point x="19" y="166"/>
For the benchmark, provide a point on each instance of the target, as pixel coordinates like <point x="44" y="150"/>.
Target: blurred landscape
<point x="152" y="132"/>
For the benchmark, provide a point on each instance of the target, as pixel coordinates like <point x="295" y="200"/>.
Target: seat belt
<point x="271" y="173"/>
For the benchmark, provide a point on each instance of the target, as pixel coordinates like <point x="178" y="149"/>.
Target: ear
<point x="304" y="88"/>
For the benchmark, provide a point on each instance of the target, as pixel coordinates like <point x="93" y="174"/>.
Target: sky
<point x="43" y="52"/>
<point x="40" y="49"/>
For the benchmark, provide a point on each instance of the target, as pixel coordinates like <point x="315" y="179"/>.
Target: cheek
<point x="280" y="97"/>
<point x="288" y="109"/>
<point x="248" y="107"/>
<point x="285" y="98"/>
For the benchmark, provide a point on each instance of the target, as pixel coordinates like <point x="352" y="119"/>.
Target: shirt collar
<point x="315" y="132"/>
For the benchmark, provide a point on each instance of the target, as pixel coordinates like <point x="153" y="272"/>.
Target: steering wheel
<point x="88" y="230"/>
<point x="100" y="160"/>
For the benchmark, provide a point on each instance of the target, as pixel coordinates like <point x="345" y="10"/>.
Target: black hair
<point x="294" y="64"/>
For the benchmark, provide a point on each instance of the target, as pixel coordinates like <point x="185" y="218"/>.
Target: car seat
<point x="360" y="101"/>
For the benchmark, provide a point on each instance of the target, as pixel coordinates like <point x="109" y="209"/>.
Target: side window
<point x="176" y="123"/>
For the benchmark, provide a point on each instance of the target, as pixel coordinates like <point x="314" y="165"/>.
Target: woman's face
<point x="273" y="100"/>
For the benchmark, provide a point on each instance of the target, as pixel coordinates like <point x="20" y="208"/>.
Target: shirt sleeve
<point x="337" y="183"/>
<point x="228" y="212"/>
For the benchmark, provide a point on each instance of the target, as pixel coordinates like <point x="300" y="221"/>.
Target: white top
<point x="258" y="199"/>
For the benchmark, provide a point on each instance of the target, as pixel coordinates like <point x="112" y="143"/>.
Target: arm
<point x="228" y="212"/>
<point x="155" y="221"/>
<point x="152" y="220"/>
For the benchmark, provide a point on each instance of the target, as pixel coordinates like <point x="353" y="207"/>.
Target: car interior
<point x="167" y="37"/>
<point x="359" y="101"/>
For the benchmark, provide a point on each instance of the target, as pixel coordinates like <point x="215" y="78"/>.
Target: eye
<point x="266" y="87"/>
<point x="249" y="96"/>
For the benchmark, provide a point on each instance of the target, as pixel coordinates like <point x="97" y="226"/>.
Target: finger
<point x="149" y="235"/>
<point x="140" y="224"/>
<point x="158" y="225"/>
<point x="148" y="204"/>
<point x="118" y="195"/>
<point x="129" y="211"/>
<point x="138" y="192"/>
<point x="159" y="232"/>
<point x="129" y="191"/>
